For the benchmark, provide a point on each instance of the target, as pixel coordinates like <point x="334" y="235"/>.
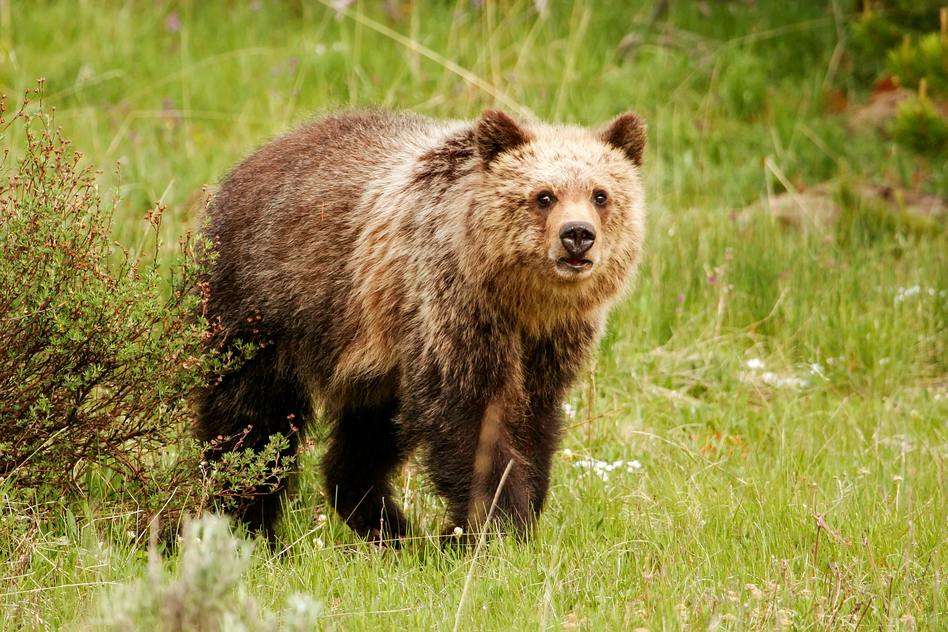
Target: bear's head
<point x="561" y="208"/>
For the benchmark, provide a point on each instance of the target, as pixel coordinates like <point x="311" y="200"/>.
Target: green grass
<point x="784" y="392"/>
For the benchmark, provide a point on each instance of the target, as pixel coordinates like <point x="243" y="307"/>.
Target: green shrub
<point x="99" y="347"/>
<point x="920" y="126"/>
<point x="911" y="14"/>
<point x="921" y="59"/>
<point x="871" y="36"/>
<point x="889" y="38"/>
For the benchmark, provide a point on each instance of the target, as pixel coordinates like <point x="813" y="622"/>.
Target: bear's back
<point x="328" y="163"/>
<point x="288" y="219"/>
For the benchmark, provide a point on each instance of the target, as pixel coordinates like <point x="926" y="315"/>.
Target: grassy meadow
<point x="762" y="441"/>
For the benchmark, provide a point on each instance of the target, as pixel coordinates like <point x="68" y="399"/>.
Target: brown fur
<point x="412" y="282"/>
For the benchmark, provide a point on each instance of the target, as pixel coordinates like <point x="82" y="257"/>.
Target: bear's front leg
<point x="550" y="366"/>
<point x="480" y="474"/>
<point x="465" y="425"/>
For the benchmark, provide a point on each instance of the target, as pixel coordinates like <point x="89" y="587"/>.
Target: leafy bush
<point x="99" y="346"/>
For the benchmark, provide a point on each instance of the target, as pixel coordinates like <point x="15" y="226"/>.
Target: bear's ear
<point x="627" y="134"/>
<point x="495" y="133"/>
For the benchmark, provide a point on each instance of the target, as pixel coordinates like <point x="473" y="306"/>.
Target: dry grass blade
<point x="480" y="544"/>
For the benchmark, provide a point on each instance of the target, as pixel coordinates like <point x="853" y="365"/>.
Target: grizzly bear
<point x="418" y="285"/>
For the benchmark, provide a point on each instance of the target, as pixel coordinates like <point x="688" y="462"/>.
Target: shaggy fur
<point x="420" y="285"/>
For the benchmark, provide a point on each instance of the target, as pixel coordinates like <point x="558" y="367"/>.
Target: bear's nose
<point x="577" y="238"/>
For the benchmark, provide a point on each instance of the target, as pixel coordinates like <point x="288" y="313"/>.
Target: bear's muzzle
<point x="577" y="239"/>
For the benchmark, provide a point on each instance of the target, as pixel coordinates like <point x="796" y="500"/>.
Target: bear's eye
<point x="545" y="199"/>
<point x="600" y="198"/>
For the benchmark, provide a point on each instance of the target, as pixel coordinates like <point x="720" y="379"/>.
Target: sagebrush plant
<point x="100" y="346"/>
<point x="205" y="593"/>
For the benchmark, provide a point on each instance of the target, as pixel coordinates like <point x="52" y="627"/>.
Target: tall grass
<point x="782" y="393"/>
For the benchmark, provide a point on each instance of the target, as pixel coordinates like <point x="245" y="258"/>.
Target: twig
<point x="863" y="615"/>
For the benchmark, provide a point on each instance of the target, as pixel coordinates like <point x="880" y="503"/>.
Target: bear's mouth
<point x="574" y="263"/>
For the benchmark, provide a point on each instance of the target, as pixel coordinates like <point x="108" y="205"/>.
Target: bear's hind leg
<point x="242" y="412"/>
<point x="363" y="453"/>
